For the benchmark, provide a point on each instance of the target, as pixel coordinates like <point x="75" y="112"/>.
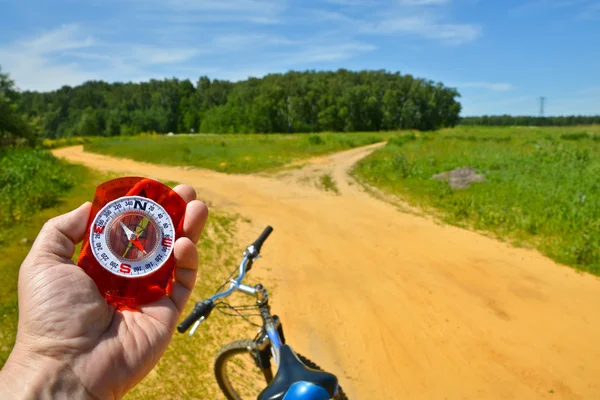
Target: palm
<point x="67" y="319"/>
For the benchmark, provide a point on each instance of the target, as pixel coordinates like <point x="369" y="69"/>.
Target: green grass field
<point x="543" y="188"/>
<point x="232" y="153"/>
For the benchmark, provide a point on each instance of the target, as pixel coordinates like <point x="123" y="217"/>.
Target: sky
<point x="501" y="55"/>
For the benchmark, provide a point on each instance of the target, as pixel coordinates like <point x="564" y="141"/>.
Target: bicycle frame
<point x="262" y="298"/>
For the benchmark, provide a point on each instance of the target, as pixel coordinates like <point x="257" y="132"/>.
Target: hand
<point x="70" y="342"/>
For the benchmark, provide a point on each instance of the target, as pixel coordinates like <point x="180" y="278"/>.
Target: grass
<point x="30" y="180"/>
<point x="327" y="183"/>
<point x="231" y="153"/>
<point x="22" y="233"/>
<point x="542" y="190"/>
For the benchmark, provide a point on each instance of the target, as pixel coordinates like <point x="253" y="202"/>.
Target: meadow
<point x="542" y="186"/>
<point x="231" y="153"/>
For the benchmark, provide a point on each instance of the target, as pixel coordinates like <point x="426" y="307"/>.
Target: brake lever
<point x="196" y="325"/>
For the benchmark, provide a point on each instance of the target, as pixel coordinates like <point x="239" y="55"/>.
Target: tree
<point x="14" y="127"/>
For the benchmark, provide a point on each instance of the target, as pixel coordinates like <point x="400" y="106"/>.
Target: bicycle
<point x="297" y="377"/>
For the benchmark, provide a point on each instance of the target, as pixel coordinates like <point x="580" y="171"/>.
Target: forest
<point x="293" y="102"/>
<point x="509" y="120"/>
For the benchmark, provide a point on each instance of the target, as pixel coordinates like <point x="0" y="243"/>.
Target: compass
<point x="132" y="236"/>
<point x="128" y="249"/>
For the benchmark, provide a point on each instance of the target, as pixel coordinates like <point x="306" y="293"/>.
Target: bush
<point x="30" y="180"/>
<point x="575" y="136"/>
<point x="315" y="140"/>
<point x="402" y="140"/>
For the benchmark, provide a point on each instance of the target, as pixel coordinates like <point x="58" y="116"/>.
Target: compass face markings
<point x="132" y="236"/>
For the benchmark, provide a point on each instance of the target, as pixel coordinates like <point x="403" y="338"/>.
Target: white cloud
<point x="332" y="16"/>
<point x="66" y="37"/>
<point x="157" y="55"/>
<point x="212" y="11"/>
<point x="497" y="87"/>
<point x="536" y="5"/>
<point x="352" y="2"/>
<point x="424" y="2"/>
<point x="239" y="41"/>
<point x="327" y="53"/>
<point x="30" y="62"/>
<point x="425" y="26"/>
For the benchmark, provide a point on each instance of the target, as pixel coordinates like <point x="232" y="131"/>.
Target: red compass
<point x="128" y="247"/>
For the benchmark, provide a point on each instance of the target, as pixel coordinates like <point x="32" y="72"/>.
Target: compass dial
<point x="132" y="236"/>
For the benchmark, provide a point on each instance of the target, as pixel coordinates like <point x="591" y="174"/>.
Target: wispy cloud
<point x="65" y="37"/>
<point x="252" y="11"/>
<point x="537" y="5"/>
<point x="424" y="2"/>
<point x="425" y="26"/>
<point x="240" y="41"/>
<point x="353" y="2"/>
<point x="328" y="53"/>
<point x="158" y="55"/>
<point x="32" y="67"/>
<point x="497" y="87"/>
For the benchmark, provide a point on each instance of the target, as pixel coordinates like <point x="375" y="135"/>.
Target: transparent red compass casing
<point x="128" y="247"/>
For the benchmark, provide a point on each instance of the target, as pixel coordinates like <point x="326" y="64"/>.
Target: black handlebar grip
<point x="202" y="309"/>
<point x="261" y="239"/>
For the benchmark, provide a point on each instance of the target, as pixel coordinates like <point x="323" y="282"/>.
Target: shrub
<point x="30" y="180"/>
<point x="315" y="140"/>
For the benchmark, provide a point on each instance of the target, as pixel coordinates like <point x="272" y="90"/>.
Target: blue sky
<point x="501" y="55"/>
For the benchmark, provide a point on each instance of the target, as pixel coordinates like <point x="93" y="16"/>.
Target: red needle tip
<point x="136" y="243"/>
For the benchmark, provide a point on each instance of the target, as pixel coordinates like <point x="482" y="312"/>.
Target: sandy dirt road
<point x="399" y="306"/>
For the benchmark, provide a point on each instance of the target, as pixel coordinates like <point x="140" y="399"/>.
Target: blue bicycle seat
<point x="292" y="371"/>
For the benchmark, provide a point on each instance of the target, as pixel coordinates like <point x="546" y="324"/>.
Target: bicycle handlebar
<point x="203" y="308"/>
<point x="261" y="239"/>
<point x="201" y="311"/>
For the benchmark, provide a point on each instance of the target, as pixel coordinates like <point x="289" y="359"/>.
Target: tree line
<point x="293" y="102"/>
<point x="509" y="120"/>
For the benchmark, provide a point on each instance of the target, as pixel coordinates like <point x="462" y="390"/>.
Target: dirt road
<point x="399" y="306"/>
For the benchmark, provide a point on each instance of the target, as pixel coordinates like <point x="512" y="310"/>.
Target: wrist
<point x="28" y="376"/>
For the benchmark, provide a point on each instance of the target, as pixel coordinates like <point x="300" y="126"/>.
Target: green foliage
<point x="14" y="127"/>
<point x="402" y="139"/>
<point x="575" y="136"/>
<point x="315" y="140"/>
<point x="231" y="153"/>
<point x="508" y="120"/>
<point x="540" y="190"/>
<point x="293" y="102"/>
<point x="328" y="184"/>
<point x="30" y="180"/>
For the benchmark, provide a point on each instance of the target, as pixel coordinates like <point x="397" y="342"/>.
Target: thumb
<point x="60" y="234"/>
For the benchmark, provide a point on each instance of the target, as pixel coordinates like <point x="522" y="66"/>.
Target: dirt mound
<point x="460" y="178"/>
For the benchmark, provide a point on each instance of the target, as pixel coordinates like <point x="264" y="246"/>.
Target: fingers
<point x="196" y="215"/>
<point x="60" y="234"/>
<point x="186" y="259"/>
<point x="196" y="212"/>
<point x="186" y="192"/>
<point x="167" y="310"/>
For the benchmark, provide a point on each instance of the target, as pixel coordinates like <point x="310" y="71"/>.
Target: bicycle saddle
<point x="291" y="372"/>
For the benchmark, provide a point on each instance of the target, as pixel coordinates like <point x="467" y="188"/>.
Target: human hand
<point x="70" y="341"/>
